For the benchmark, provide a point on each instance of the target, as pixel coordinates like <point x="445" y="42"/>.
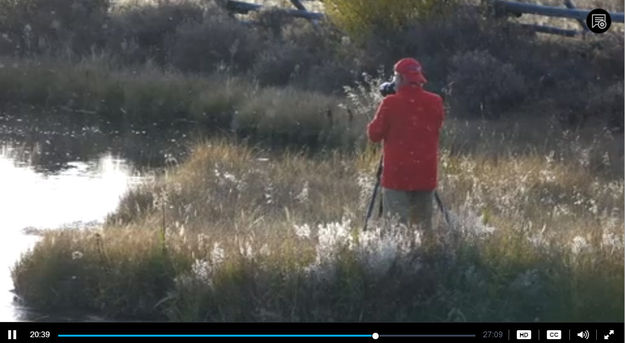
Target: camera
<point x="387" y="88"/>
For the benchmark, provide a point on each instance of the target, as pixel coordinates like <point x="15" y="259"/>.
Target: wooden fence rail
<point x="500" y="7"/>
<point x="246" y="7"/>
<point x="517" y="8"/>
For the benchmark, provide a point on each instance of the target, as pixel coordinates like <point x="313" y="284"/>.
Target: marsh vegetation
<point x="260" y="218"/>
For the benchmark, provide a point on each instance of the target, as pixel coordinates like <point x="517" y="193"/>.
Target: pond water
<point x="79" y="196"/>
<point x="57" y="173"/>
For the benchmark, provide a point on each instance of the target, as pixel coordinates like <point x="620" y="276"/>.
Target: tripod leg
<point x="375" y="193"/>
<point x="381" y="206"/>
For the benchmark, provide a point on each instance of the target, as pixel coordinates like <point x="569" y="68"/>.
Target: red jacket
<point x="409" y="123"/>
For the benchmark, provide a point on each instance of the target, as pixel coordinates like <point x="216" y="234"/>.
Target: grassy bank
<point x="238" y="233"/>
<point x="125" y="99"/>
<point x="146" y="96"/>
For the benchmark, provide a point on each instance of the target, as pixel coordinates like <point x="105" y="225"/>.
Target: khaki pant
<point x="410" y="207"/>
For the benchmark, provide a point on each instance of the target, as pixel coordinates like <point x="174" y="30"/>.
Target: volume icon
<point x="583" y="334"/>
<point x="12" y="335"/>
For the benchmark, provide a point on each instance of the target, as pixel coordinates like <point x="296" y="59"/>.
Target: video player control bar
<point x="313" y="332"/>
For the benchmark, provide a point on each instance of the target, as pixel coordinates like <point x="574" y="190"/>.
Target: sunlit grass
<point x="242" y="233"/>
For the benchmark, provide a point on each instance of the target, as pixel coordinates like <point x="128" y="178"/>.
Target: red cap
<point x="410" y="69"/>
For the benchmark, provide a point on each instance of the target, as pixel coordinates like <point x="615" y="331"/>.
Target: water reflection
<point x="78" y="194"/>
<point x="49" y="142"/>
<point x="68" y="169"/>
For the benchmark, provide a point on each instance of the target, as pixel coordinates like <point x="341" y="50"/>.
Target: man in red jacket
<point x="409" y="122"/>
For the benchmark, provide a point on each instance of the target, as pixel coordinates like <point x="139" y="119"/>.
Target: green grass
<point x="238" y="233"/>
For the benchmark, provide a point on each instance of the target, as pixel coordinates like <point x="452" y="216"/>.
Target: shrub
<point x="316" y="38"/>
<point x="216" y="41"/>
<point x="138" y="32"/>
<point x="360" y="18"/>
<point x="34" y="26"/>
<point x="436" y="38"/>
<point x="611" y="103"/>
<point x="606" y="55"/>
<point x="435" y="42"/>
<point x="272" y="21"/>
<point x="278" y="65"/>
<point x="330" y="76"/>
<point x="481" y="84"/>
<point x="291" y="56"/>
<point x="600" y="103"/>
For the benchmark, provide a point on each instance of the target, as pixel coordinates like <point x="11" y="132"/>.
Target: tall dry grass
<point x="241" y="233"/>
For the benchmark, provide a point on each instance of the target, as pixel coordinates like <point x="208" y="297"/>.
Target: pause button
<point x="12" y="335"/>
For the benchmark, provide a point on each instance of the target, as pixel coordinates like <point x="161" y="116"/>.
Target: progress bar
<point x="374" y="336"/>
<point x="432" y="336"/>
<point x="218" y="336"/>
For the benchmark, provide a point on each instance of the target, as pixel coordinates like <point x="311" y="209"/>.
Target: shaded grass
<point x="147" y="96"/>
<point x="238" y="233"/>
